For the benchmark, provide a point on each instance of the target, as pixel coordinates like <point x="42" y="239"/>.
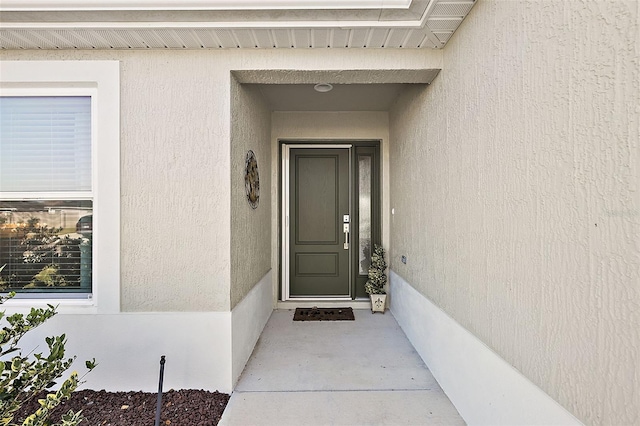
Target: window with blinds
<point x="45" y="143"/>
<point x="46" y="198"/>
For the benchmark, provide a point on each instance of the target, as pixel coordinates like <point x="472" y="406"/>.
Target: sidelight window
<point x="364" y="210"/>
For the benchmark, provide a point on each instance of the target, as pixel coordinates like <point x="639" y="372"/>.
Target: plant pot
<point x="378" y="302"/>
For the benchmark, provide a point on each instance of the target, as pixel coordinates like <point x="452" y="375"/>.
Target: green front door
<point x="331" y="218"/>
<point x="319" y="254"/>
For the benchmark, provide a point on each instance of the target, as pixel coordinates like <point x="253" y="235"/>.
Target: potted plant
<point x="377" y="279"/>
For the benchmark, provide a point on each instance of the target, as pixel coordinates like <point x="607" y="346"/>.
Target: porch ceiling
<point x="214" y="24"/>
<point x="353" y="90"/>
<point x="343" y="97"/>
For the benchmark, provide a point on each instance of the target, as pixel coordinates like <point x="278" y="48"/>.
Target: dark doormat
<point x="323" y="314"/>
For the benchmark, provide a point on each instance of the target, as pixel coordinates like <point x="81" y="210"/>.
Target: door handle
<point x="345" y="228"/>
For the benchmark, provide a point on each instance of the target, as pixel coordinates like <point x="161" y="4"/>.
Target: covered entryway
<point x="330" y="172"/>
<point x="331" y="217"/>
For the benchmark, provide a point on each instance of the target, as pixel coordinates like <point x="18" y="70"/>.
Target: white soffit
<point x="146" y="24"/>
<point x="56" y="5"/>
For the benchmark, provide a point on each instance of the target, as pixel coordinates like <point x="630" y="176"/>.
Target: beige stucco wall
<point x="514" y="180"/>
<point x="250" y="228"/>
<point x="176" y="209"/>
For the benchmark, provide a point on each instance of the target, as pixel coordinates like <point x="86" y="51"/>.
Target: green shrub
<point x="24" y="377"/>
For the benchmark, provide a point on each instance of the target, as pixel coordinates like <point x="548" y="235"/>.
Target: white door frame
<point x="286" y="148"/>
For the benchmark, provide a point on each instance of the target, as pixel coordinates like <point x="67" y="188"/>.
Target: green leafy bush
<point x="23" y="377"/>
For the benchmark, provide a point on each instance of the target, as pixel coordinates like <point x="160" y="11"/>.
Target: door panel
<point x="316" y="195"/>
<point x="319" y="197"/>
<point x="317" y="264"/>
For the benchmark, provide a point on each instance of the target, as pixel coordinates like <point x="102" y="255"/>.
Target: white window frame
<point x="101" y="81"/>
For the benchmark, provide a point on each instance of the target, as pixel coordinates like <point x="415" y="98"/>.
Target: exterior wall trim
<point x="128" y="346"/>
<point x="248" y="319"/>
<point x="483" y="387"/>
<point x="102" y="79"/>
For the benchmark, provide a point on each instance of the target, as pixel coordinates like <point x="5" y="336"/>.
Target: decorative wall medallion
<point x="251" y="179"/>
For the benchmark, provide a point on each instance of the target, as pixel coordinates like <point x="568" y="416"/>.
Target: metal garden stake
<point x="159" y="406"/>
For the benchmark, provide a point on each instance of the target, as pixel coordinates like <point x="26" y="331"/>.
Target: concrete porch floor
<point x="362" y="372"/>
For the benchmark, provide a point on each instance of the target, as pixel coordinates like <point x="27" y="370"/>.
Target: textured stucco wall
<point x="176" y="162"/>
<point x="514" y="179"/>
<point x="250" y="228"/>
<point x="175" y="184"/>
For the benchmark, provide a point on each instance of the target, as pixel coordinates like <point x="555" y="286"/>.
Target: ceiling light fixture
<point x="323" y="87"/>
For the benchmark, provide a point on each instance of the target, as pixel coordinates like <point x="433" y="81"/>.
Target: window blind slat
<point x="45" y="143"/>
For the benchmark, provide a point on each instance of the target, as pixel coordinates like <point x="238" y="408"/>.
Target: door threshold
<point x="354" y="304"/>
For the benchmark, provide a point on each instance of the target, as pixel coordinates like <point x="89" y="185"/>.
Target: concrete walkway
<point x="362" y="372"/>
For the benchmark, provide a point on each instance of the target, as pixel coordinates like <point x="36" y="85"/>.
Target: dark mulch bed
<point x="179" y="408"/>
